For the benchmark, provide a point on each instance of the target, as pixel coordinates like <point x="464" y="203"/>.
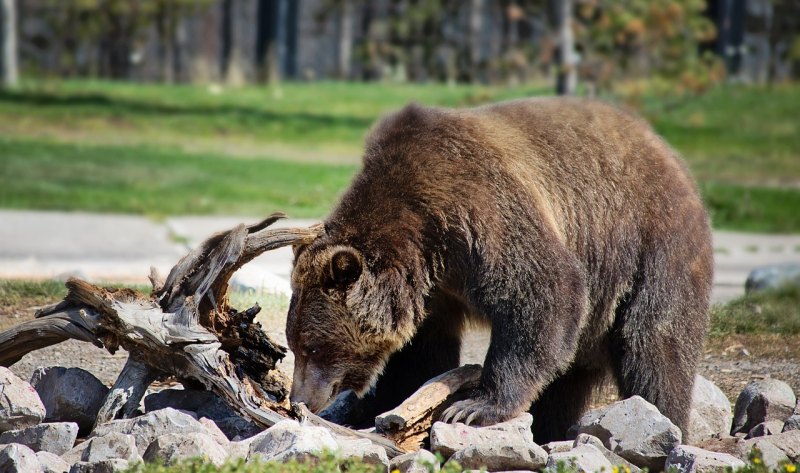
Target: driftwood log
<point x="409" y="423"/>
<point x="187" y="329"/>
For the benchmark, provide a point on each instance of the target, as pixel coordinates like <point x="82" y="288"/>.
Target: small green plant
<point x="776" y="311"/>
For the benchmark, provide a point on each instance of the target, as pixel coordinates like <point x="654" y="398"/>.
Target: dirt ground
<point x="730" y="361"/>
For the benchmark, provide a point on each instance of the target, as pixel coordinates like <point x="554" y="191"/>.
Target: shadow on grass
<point x="115" y="105"/>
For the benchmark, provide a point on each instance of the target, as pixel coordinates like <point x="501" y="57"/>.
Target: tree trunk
<point x="272" y="32"/>
<point x="566" y="59"/>
<point x="8" y="30"/>
<point x="475" y="44"/>
<point x="345" y="38"/>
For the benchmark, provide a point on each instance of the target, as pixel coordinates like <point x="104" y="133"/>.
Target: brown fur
<point x="567" y="225"/>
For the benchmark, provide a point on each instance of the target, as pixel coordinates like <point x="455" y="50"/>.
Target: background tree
<point x="8" y="38"/>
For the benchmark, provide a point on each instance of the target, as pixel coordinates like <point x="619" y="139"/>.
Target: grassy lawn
<point x="162" y="150"/>
<point x="157" y="182"/>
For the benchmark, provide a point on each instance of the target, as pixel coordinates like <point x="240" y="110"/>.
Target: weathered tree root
<point x="187" y="329"/>
<point x="184" y="329"/>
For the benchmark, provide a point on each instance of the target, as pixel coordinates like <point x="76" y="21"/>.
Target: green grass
<point x="775" y="311"/>
<point x="184" y="149"/>
<point x="736" y="134"/>
<point x="156" y="181"/>
<point x="752" y="208"/>
<point x="32" y="293"/>
<point x="330" y="464"/>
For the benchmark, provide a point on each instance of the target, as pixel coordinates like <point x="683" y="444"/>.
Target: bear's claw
<point x="474" y="411"/>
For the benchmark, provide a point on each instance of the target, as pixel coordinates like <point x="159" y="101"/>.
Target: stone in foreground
<point x="103" y="466"/>
<point x="288" y="439"/>
<point x="364" y="450"/>
<point x="711" y="413"/>
<point x="771" y="455"/>
<point x="111" y="446"/>
<point x="613" y="458"/>
<point x="450" y="438"/>
<point x="501" y="457"/>
<point x="760" y="401"/>
<point x="51" y="463"/>
<point x="70" y="395"/>
<point x="687" y="459"/>
<point x="586" y="458"/>
<point x="205" y="404"/>
<point x="56" y="438"/>
<point x="20" y="406"/>
<point x="770" y="427"/>
<point x="16" y="458"/>
<point x="152" y="425"/>
<point x="414" y="462"/>
<point x="792" y="423"/>
<point x="171" y="448"/>
<point x="787" y="442"/>
<point x="633" y="429"/>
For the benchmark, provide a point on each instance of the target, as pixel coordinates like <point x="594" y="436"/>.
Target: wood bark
<point x="186" y="329"/>
<point x="409" y="423"/>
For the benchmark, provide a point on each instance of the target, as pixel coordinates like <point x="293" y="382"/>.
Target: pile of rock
<point x="48" y="426"/>
<point x="40" y="424"/>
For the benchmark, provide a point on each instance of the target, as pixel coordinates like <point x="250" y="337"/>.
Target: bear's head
<point x="349" y="312"/>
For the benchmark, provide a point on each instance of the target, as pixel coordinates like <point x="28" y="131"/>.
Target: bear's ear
<point x="345" y="267"/>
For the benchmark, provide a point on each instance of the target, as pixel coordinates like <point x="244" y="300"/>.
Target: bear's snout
<point x="312" y="386"/>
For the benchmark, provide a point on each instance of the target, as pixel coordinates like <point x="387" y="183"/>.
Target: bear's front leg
<point x="536" y="321"/>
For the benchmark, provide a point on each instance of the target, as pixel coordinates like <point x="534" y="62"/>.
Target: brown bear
<point x="567" y="225"/>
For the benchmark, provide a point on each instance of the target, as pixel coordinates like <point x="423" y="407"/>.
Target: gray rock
<point x="103" y="466"/>
<point x="171" y="448"/>
<point x="735" y="446"/>
<point x="70" y="395"/>
<point x="760" y="401"/>
<point x="769" y="427"/>
<point x="52" y="463"/>
<point x="450" y="438"/>
<point x="501" y="456"/>
<point x="420" y="461"/>
<point x="289" y="439"/>
<point x="152" y="425"/>
<point x="635" y="430"/>
<point x="613" y="458"/>
<point x="586" y="459"/>
<point x="214" y="431"/>
<point x="20" y="406"/>
<point x="773" y="277"/>
<point x="55" y="438"/>
<point x="788" y="442"/>
<point x="205" y="404"/>
<point x="771" y="455"/>
<point x="688" y="459"/>
<point x="16" y="458"/>
<point x="558" y="446"/>
<point x="239" y="450"/>
<point x="792" y="423"/>
<point x="110" y="446"/>
<point x="237" y="428"/>
<point x="711" y="413"/>
<point x="364" y="450"/>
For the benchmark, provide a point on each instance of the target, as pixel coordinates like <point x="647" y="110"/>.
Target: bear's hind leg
<point x="660" y="328"/>
<point x="562" y="403"/>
